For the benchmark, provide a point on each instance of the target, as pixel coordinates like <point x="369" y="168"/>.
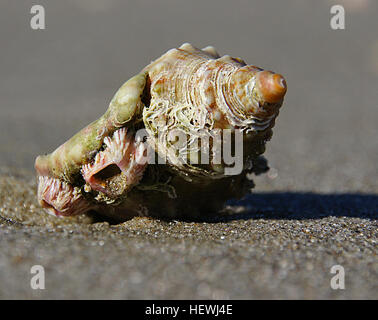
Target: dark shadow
<point x="285" y="205"/>
<point x="301" y="205"/>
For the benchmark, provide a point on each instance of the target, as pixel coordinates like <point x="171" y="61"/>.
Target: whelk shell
<point x="199" y="95"/>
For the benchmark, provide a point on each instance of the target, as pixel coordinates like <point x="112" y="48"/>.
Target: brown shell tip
<point x="272" y="86"/>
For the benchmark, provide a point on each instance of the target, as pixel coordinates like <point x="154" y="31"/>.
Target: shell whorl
<point x="235" y="95"/>
<point x="197" y="92"/>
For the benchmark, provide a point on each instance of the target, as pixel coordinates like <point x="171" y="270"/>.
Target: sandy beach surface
<point x="317" y="207"/>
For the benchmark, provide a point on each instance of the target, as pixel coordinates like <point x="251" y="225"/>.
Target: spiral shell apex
<point x="189" y="93"/>
<point x="272" y="87"/>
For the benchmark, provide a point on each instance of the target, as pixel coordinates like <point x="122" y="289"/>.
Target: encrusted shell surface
<point x="195" y="92"/>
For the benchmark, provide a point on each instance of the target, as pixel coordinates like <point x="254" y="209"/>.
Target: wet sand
<point x="317" y="207"/>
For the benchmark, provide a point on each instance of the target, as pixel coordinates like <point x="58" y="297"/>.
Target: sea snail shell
<point x="193" y="91"/>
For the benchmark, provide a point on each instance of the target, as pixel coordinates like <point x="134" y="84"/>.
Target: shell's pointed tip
<point x="272" y="86"/>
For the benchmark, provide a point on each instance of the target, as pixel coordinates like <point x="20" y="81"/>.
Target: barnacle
<point x="164" y="145"/>
<point x="117" y="168"/>
<point x="59" y="197"/>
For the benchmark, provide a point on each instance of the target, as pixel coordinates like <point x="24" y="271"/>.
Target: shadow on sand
<point x="286" y="205"/>
<point x="300" y="206"/>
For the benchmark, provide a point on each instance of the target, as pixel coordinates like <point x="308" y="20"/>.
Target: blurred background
<point x="53" y="82"/>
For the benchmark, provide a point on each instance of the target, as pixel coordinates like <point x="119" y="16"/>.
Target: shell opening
<point x="107" y="173"/>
